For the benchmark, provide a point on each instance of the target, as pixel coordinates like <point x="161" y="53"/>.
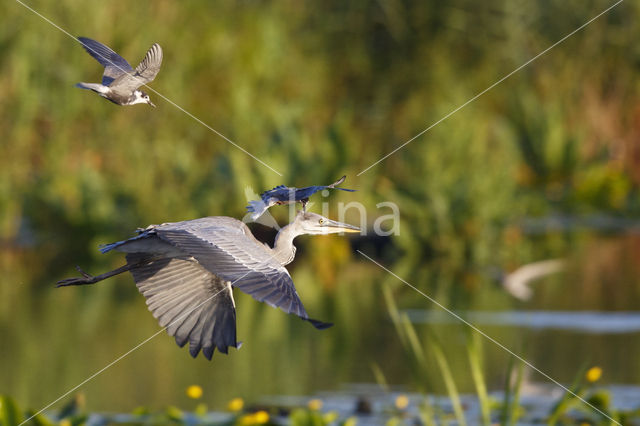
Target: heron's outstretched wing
<point x="193" y="304"/>
<point x="144" y="73"/>
<point x="279" y="193"/>
<point x="114" y="64"/>
<point x="226" y="248"/>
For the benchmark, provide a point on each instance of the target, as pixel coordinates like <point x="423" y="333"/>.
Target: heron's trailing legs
<point x="90" y="279"/>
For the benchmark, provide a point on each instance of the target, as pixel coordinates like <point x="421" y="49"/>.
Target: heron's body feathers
<point x="233" y="254"/>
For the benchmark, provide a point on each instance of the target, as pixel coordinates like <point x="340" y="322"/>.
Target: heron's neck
<point x="283" y="249"/>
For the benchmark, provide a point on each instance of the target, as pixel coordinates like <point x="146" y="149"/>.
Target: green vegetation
<point x="317" y="90"/>
<point x="567" y="410"/>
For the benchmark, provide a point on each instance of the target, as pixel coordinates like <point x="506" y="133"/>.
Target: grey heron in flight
<point x="287" y="195"/>
<point x="120" y="82"/>
<point x="187" y="271"/>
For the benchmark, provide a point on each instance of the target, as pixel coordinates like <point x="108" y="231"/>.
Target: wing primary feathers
<point x="194" y="304"/>
<point x="150" y="65"/>
<point x="319" y="324"/>
<point x="338" y="182"/>
<point x="104" y="54"/>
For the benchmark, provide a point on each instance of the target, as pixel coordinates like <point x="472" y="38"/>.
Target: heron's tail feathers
<point x="133" y="243"/>
<point x="108" y="247"/>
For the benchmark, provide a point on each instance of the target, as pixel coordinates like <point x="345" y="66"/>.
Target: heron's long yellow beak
<point x="335" y="227"/>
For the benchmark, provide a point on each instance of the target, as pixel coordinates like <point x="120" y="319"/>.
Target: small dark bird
<point x="120" y="82"/>
<point x="187" y="272"/>
<point x="287" y="195"/>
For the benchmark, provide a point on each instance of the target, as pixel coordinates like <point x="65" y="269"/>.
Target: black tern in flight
<point x="287" y="195"/>
<point x="120" y="82"/>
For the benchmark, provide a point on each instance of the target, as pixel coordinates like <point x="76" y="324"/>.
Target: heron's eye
<point x="321" y="221"/>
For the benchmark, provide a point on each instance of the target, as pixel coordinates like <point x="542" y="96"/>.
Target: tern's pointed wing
<point x="114" y="64"/>
<point x="144" y="73"/>
<point x="226" y="248"/>
<point x="194" y="305"/>
<point x="338" y="182"/>
<point x="150" y="65"/>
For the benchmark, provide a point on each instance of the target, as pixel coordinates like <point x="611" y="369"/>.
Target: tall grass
<point x="474" y="354"/>
<point x="418" y="347"/>
<point x="513" y="384"/>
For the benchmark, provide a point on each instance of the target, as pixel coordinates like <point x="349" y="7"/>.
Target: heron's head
<point x="314" y="224"/>
<point x="141" y="97"/>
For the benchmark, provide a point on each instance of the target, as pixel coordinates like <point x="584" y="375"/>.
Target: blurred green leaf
<point x="10" y="414"/>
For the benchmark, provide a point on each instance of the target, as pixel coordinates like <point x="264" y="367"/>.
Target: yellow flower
<point x="351" y="421"/>
<point x="257" y="418"/>
<point x="235" y="404"/>
<point x="65" y="422"/>
<point x="402" y="402"/>
<point x="261" y="417"/>
<point x="315" y="404"/>
<point x="194" y="391"/>
<point x="330" y="417"/>
<point x="594" y="374"/>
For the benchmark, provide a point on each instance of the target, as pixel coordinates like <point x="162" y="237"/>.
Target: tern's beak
<point x="332" y="226"/>
<point x="151" y="103"/>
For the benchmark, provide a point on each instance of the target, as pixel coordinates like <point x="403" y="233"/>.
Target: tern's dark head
<point x="141" y="97"/>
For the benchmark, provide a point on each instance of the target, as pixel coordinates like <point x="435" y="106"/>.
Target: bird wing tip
<point x="320" y="325"/>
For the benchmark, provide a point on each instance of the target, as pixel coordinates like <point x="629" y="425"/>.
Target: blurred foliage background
<point x="544" y="165"/>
